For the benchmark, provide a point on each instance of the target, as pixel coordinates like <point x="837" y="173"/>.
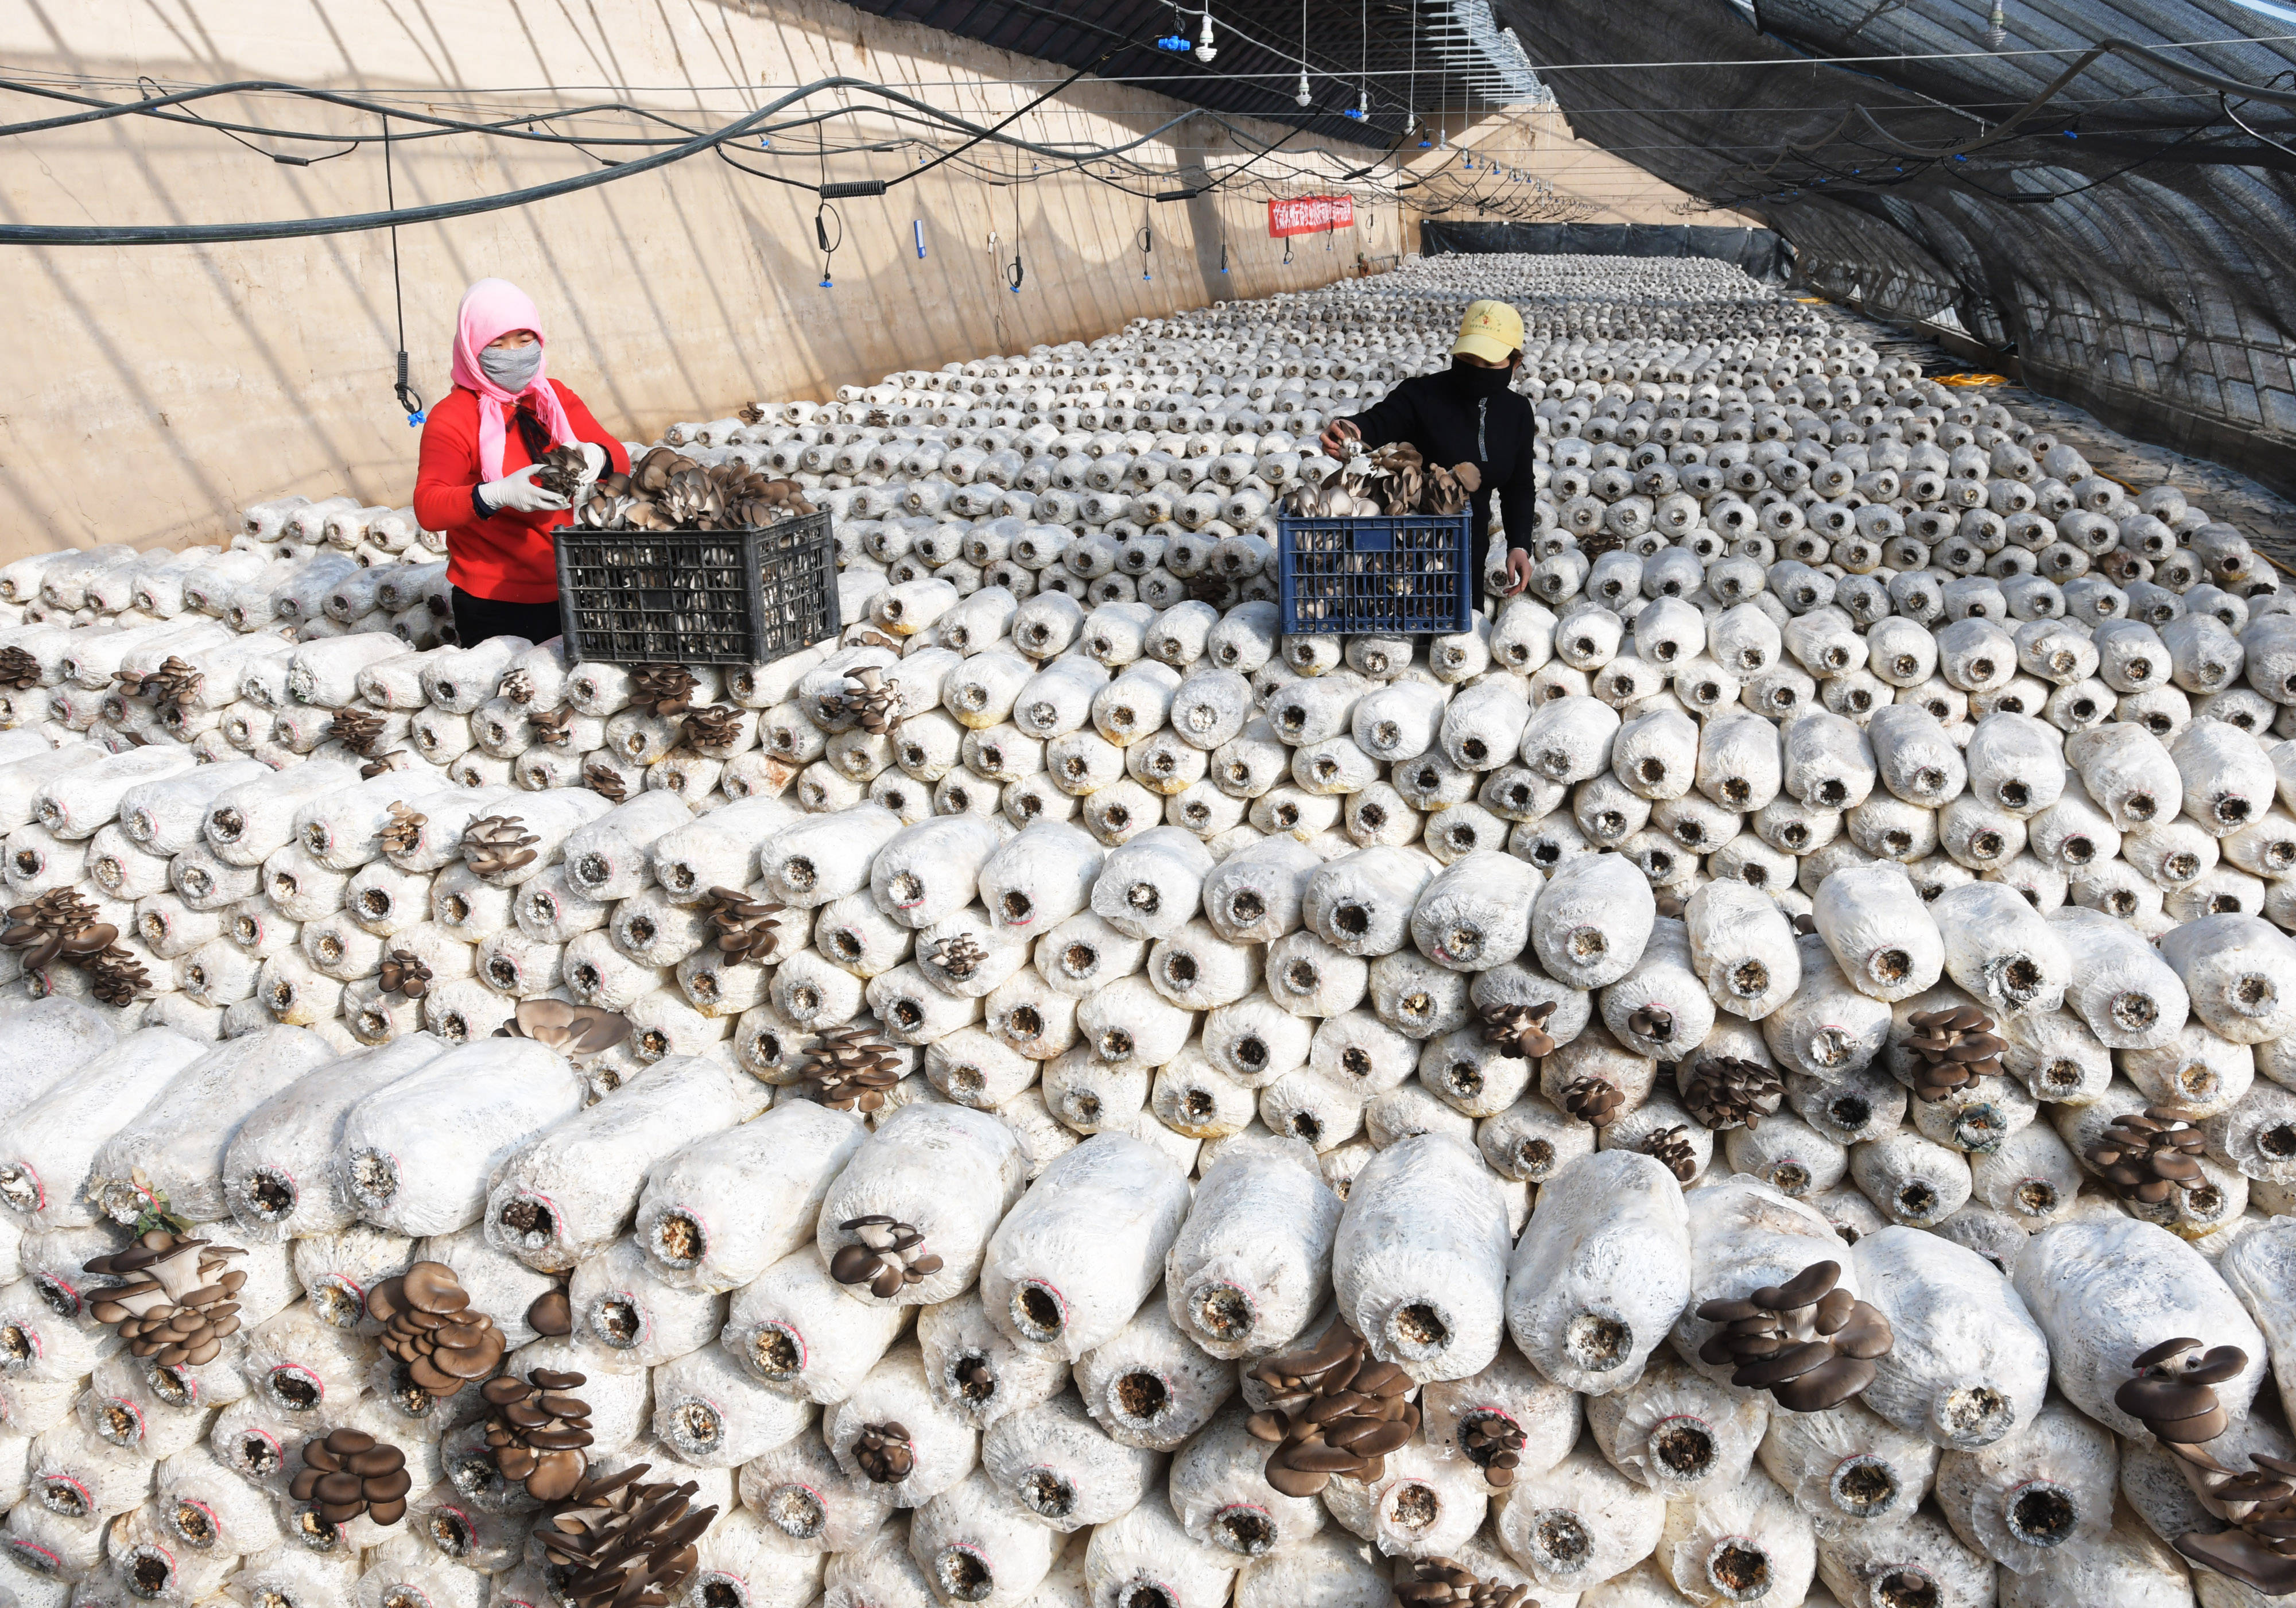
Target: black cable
<point x="924" y="168"/>
<point x="698" y="141"/>
<point x="2252" y="133"/>
<point x="408" y="397"/>
<point x="1016" y="273"/>
<point x="284" y="162"/>
<point x="820" y="231"/>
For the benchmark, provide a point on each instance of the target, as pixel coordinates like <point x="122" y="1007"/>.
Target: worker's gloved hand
<point x="593" y="464"/>
<point x="1337" y="438"/>
<point x="518" y="494"/>
<point x="1518" y="569"/>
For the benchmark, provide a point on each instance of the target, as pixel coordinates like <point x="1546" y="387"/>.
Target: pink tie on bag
<point x="492" y="309"/>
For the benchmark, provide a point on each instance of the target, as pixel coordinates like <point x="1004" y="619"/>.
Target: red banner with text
<point x="1311" y="214"/>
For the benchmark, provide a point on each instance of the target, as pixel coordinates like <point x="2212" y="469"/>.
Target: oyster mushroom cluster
<point x="1726" y="1091"/>
<point x="348" y="1474"/>
<point x="2149" y="1155"/>
<point x="850" y="1071"/>
<point x="889" y="1255"/>
<point x="536" y="1432"/>
<point x="667" y="490"/>
<point x="1333" y="1409"/>
<point x="494" y="846"/>
<point x="177" y="1304"/>
<point x="1956" y="1047"/>
<point x="2174" y="1396"/>
<point x="623" y="1541"/>
<point x="429" y="1325"/>
<point x="885" y="1453"/>
<point x="1440" y="1583"/>
<point x="1808" y="1342"/>
<point x="1862" y="843"/>
<point x="1393" y="480"/>
<point x="742" y="926"/>
<point x="58" y="925"/>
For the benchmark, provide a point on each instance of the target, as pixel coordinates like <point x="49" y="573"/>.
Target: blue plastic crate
<point x="1401" y="575"/>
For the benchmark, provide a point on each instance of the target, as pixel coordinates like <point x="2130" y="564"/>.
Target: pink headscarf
<point x="492" y="309"/>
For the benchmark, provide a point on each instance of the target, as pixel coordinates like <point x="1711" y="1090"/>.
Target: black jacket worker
<point x="1466" y="414"/>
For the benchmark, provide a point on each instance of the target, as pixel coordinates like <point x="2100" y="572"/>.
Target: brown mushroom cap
<point x="551" y="1313"/>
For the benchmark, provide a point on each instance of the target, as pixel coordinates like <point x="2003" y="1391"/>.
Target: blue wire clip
<point x="918" y="225"/>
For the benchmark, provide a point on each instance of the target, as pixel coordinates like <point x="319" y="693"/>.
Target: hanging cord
<point x="1411" y="90"/>
<point x="1363" y="61"/>
<point x="823" y="209"/>
<point x="1147" y="244"/>
<point x="1014" y="273"/>
<point x="408" y="397"/>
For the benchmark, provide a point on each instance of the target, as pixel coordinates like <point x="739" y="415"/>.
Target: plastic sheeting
<point x="2128" y="244"/>
<point x="1758" y="252"/>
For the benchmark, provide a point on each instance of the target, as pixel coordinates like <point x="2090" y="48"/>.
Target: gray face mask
<point x="512" y="367"/>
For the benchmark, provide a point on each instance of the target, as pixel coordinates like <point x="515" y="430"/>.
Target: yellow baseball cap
<point x="1491" y="330"/>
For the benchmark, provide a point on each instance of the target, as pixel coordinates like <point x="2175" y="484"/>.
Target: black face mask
<point x="1479" y="382"/>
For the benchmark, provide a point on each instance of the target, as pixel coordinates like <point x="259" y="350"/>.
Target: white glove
<point x="593" y="464"/>
<point x="518" y="494"/>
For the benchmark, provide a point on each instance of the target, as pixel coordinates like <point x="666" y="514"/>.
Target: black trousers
<point x="477" y="619"/>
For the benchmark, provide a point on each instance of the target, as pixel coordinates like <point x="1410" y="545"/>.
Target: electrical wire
<point x="408" y="397"/>
<point x="755" y="123"/>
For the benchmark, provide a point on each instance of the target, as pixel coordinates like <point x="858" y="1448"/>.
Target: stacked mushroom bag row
<point x="610" y="802"/>
<point x="313" y="568"/>
<point x="1338" y="973"/>
<point x="1142" y="1359"/>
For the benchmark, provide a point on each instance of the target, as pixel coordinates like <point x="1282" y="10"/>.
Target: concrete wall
<point x="156" y="390"/>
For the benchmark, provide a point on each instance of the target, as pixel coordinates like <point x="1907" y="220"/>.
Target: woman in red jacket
<point x="481" y="447"/>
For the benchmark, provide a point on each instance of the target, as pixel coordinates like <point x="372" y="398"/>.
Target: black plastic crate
<point x="1398" y="575"/>
<point x="698" y="596"/>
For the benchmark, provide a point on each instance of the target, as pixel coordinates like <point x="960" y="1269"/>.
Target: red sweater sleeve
<point x="447" y="466"/>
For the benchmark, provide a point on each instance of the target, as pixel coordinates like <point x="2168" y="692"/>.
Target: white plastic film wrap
<point x="1968" y="1366"/>
<point x="416" y="1156"/>
<point x="1072" y="1261"/>
<point x="1252" y="1261"/>
<point x="713" y="1415"/>
<point x="946" y="1172"/>
<point x="1054" y="1461"/>
<point x="718" y="1211"/>
<point x="52" y="1141"/>
<point x="1419" y="1264"/>
<point x="566" y="1196"/>
<point x="1592" y="920"/>
<point x="278" y="1176"/>
<point x="796" y="1330"/>
<point x="2161" y="1289"/>
<point x="175" y="1145"/>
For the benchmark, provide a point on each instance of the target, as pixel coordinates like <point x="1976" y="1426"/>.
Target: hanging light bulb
<point x="1205" y="49"/>
<point x="1303" y="97"/>
<point x="1363" y="104"/>
<point x="1996" y="28"/>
